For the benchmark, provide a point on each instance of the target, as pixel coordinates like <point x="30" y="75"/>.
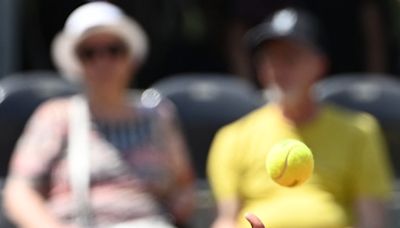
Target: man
<point x="352" y="178"/>
<point x="356" y="31"/>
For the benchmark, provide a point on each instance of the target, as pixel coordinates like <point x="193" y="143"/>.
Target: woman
<point x="139" y="171"/>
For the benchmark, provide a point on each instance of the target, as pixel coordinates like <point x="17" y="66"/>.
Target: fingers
<point x="254" y="221"/>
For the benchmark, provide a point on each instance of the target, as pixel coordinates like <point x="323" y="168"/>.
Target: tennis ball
<point x="290" y="163"/>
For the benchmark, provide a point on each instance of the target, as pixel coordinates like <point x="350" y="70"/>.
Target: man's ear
<point x="263" y="73"/>
<point x="323" y="66"/>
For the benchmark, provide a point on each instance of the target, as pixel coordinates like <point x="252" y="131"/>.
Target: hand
<point x="254" y="221"/>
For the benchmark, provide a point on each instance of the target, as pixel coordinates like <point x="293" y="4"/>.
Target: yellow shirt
<point x="350" y="163"/>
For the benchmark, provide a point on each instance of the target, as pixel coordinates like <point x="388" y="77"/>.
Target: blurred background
<point x="198" y="59"/>
<point x="206" y="35"/>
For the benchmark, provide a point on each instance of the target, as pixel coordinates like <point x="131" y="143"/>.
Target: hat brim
<point x="63" y="55"/>
<point x="64" y="46"/>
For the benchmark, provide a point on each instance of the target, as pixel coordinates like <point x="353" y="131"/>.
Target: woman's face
<point x="106" y="61"/>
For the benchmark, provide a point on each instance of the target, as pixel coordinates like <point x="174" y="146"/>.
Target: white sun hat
<point x="91" y="18"/>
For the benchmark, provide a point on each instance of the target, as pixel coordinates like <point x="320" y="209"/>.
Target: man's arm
<point x="227" y="214"/>
<point x="373" y="180"/>
<point x="223" y="176"/>
<point x="371" y="213"/>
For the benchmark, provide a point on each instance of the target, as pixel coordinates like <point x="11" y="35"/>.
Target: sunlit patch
<point x="284" y="21"/>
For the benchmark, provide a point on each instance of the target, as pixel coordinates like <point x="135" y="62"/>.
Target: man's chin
<point x="292" y="98"/>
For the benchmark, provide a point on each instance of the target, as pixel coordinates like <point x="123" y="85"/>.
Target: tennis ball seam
<point x="295" y="182"/>
<point x="285" y="165"/>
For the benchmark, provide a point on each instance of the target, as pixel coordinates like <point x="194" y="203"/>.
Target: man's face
<point x="289" y="66"/>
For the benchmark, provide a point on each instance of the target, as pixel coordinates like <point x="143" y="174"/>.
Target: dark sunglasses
<point x="114" y="50"/>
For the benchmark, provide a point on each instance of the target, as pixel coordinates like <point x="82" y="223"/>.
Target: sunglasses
<point x="114" y="50"/>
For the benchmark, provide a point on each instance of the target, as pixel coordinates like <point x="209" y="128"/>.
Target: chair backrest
<point x="376" y="94"/>
<point x="20" y="94"/>
<point x="205" y="103"/>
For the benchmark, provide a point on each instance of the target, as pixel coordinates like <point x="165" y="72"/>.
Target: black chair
<point x="205" y="103"/>
<point x="20" y="94"/>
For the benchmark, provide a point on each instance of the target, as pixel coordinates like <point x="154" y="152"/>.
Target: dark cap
<point x="289" y="23"/>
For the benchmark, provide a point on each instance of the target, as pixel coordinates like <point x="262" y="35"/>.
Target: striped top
<point x="137" y="166"/>
<point x="126" y="134"/>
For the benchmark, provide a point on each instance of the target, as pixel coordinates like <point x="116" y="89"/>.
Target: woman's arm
<point x="26" y="207"/>
<point x="37" y="147"/>
<point x="181" y="202"/>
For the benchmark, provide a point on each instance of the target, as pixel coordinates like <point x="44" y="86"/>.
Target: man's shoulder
<point x="362" y="121"/>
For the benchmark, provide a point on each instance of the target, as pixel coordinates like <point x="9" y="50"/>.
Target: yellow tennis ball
<point x="290" y="163"/>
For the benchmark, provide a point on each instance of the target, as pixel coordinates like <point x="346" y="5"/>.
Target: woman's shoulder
<point x="53" y="107"/>
<point x="161" y="108"/>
